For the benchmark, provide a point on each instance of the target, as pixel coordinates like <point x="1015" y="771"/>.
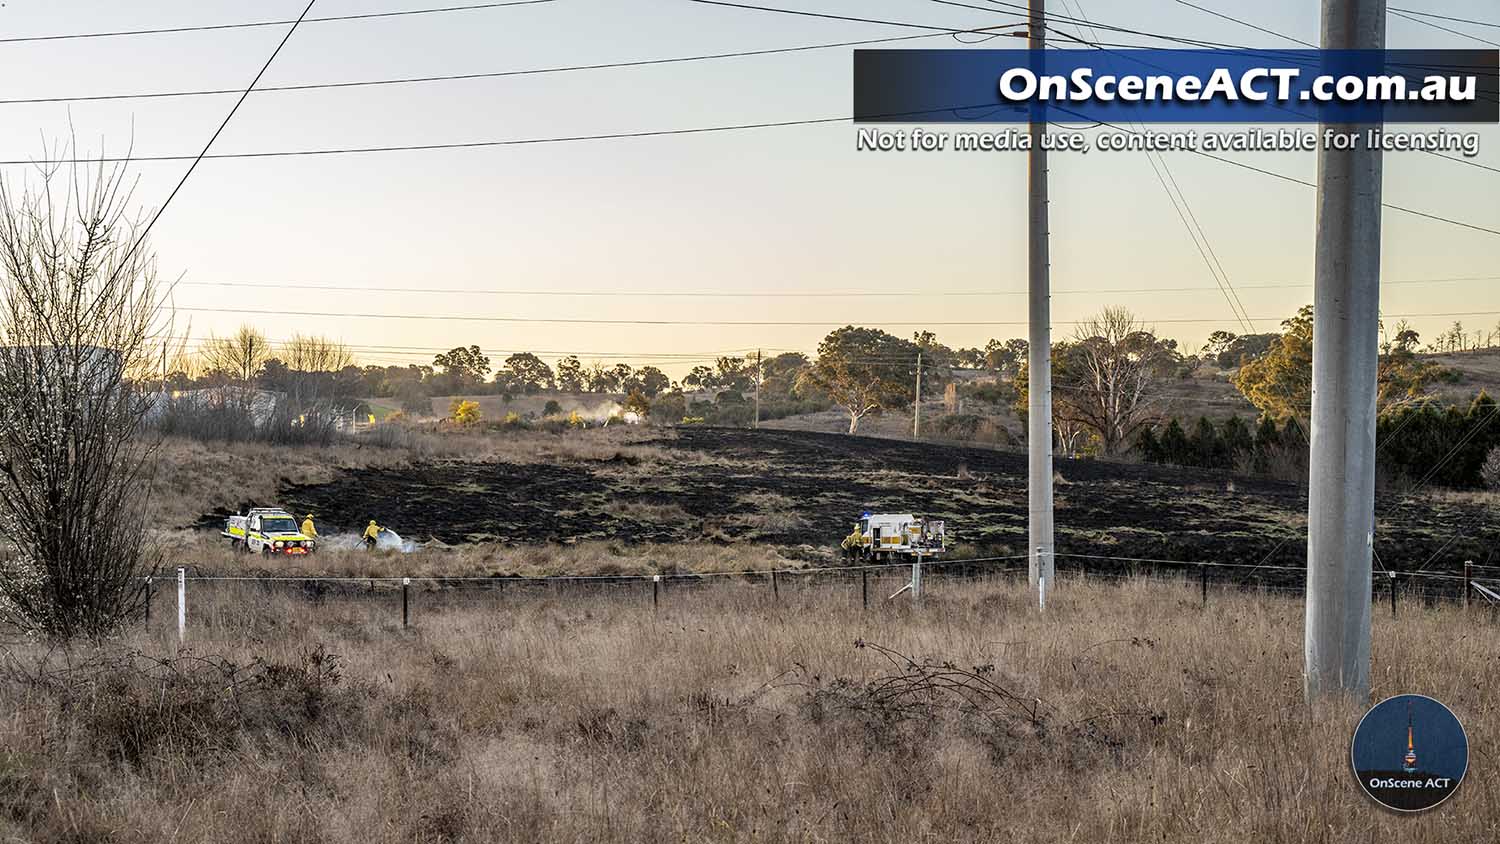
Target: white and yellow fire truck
<point x="268" y="531"/>
<point x="890" y="535"/>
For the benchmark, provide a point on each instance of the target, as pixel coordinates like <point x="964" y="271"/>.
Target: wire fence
<point x="865" y="585"/>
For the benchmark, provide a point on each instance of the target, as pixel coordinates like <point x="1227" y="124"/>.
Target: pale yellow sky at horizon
<point x="774" y="210"/>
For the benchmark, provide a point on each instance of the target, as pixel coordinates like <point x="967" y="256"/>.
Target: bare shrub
<point x="133" y="708"/>
<point x="81" y="309"/>
<point x="235" y="413"/>
<point x="1490" y="471"/>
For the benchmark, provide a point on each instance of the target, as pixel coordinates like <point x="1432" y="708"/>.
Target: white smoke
<point x="600" y="414"/>
<point x="388" y="540"/>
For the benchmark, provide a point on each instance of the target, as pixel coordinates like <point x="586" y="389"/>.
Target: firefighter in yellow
<point x="308" y="530"/>
<point x="372" y="534"/>
<point x="852" y="543"/>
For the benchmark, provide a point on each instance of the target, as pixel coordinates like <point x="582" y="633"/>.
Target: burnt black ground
<point x="719" y="477"/>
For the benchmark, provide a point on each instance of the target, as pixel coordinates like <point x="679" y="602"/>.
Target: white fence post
<point x="1041" y="593"/>
<point x="181" y="604"/>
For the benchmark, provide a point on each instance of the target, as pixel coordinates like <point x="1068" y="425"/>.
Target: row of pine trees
<point x="1426" y="442"/>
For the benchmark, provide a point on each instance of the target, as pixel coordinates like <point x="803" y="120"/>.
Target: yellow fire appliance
<point x="895" y="534"/>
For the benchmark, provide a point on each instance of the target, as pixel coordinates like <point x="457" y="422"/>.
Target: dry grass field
<point x="1126" y="713"/>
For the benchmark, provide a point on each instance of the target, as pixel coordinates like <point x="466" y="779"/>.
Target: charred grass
<point x="1126" y="714"/>
<point x="797" y="492"/>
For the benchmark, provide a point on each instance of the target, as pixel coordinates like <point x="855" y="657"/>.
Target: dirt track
<point x="804" y="489"/>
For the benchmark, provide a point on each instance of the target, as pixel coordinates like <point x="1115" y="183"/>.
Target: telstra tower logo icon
<point x="1386" y="756"/>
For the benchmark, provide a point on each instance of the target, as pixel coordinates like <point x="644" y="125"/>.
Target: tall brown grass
<point x="209" y="554"/>
<point x="1126" y="713"/>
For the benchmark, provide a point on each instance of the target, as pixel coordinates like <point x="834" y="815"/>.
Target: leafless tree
<point x="1111" y="371"/>
<point x="306" y="409"/>
<point x="307" y="353"/>
<point x="82" y="324"/>
<point x="240" y="355"/>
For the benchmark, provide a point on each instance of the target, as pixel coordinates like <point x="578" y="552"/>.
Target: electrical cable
<point x="1246" y="23"/>
<point x="124" y="262"/>
<point x="252" y="24"/>
<point x="1446" y="29"/>
<point x="409" y="80"/>
<point x="798" y="294"/>
<point x="1294" y="180"/>
<point x="1443" y="17"/>
<point x="1185" y="213"/>
<point x="789" y="323"/>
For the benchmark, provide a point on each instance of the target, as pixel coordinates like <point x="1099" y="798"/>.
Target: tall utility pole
<point x="757" y="388"/>
<point x="916" y="406"/>
<point x="1346" y="309"/>
<point x="1039" y="364"/>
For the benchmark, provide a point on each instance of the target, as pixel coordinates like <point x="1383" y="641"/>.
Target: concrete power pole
<point x="1346" y="308"/>
<point x="916" y="406"/>
<point x="1039" y="366"/>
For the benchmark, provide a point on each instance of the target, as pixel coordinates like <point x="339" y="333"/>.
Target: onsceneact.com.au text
<point x="1260" y="84"/>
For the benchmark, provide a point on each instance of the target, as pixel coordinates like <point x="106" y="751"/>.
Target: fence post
<point x="405" y="607"/>
<point x="1468" y="581"/>
<point x="1041" y="593"/>
<point x="181" y="604"/>
<point x="775" y="587"/>
<point x="916" y="580"/>
<point x="1203" y="581"/>
<point x="864" y="587"/>
<point x="148" y="600"/>
<point x="1392" y="573"/>
<point x="655" y="592"/>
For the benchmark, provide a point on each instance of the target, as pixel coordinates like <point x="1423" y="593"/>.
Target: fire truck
<point x="889" y="535"/>
<point x="267" y="531"/>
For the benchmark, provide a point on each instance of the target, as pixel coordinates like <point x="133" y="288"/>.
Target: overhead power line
<point x="1470" y="162"/>
<point x="649" y="133"/>
<point x="1444" y="17"/>
<point x="454" y="77"/>
<point x="228" y="117"/>
<point x="606" y="136"/>
<point x="1448" y="29"/>
<point x="252" y="24"/>
<point x="1246" y="23"/>
<point x="806" y="323"/>
<point x="827" y="16"/>
<point x="786" y="294"/>
<point x="1184" y="209"/>
<point x="431" y="350"/>
<point x="1296" y="181"/>
<point x="1053" y="18"/>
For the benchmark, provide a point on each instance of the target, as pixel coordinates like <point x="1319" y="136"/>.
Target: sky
<point x="1442" y="748"/>
<point x="770" y="212"/>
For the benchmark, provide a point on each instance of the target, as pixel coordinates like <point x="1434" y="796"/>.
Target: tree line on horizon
<point x="1112" y="380"/>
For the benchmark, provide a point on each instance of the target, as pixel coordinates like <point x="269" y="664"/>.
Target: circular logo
<point x="1410" y="753"/>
